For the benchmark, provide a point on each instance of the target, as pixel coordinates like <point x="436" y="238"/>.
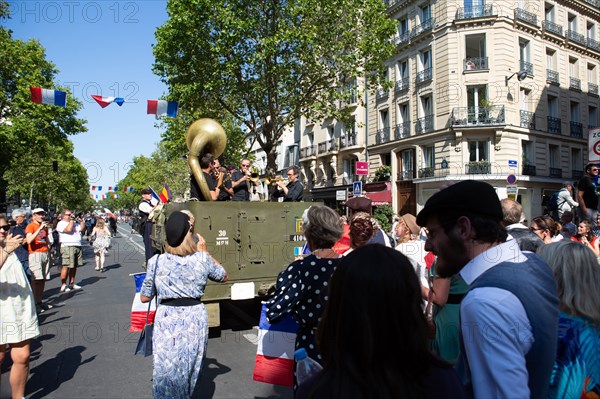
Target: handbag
<point x="144" y="345"/>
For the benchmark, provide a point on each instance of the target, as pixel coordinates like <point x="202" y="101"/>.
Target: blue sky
<point x="101" y="47"/>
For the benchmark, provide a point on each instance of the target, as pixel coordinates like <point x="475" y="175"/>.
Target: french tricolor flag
<point x="139" y="309"/>
<point x="275" y="355"/>
<point x="106" y="101"/>
<point x="162" y="107"/>
<point x="48" y="96"/>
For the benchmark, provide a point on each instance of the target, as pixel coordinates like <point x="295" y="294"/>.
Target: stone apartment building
<point x="481" y="90"/>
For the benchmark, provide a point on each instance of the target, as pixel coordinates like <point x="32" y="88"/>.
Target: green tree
<point x="33" y="135"/>
<point x="267" y="63"/>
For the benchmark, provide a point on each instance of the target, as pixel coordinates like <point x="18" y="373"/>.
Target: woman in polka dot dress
<point x="302" y="287"/>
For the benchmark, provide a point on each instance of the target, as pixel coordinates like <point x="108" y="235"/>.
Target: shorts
<point x="39" y="265"/>
<point x="72" y="257"/>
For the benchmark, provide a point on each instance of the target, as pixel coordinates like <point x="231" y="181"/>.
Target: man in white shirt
<point x="509" y="317"/>
<point x="69" y="231"/>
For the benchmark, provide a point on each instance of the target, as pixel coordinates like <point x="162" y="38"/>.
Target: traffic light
<point x="55" y="166"/>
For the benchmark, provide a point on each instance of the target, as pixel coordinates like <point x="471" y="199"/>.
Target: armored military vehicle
<point x="253" y="241"/>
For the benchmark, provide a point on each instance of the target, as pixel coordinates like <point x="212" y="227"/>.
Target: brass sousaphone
<point x="204" y="136"/>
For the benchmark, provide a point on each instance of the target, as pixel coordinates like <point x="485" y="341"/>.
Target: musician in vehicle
<point x="223" y="178"/>
<point x="206" y="163"/>
<point x="241" y="183"/>
<point x="293" y="191"/>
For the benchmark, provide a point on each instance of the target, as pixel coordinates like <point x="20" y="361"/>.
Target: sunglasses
<point x="5" y="227"/>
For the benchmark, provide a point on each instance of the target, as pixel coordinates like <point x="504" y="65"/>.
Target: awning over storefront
<point x="380" y="193"/>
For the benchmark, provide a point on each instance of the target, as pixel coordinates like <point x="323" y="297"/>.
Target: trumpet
<point x="254" y="175"/>
<point x="273" y="180"/>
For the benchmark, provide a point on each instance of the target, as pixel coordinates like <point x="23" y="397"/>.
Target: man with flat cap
<point x="509" y="316"/>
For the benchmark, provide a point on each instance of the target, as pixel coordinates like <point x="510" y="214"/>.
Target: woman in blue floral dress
<point x="181" y="323"/>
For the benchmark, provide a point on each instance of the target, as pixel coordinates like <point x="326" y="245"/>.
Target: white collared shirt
<point x="496" y="331"/>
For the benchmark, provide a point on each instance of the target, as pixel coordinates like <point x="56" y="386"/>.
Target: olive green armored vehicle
<point x="254" y="241"/>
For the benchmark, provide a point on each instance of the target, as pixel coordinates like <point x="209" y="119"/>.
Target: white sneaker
<point x="75" y="287"/>
<point x="97" y="268"/>
<point x="65" y="288"/>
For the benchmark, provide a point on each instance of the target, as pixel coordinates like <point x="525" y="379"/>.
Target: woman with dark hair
<point x="362" y="229"/>
<point x="178" y="278"/>
<point x="302" y="287"/>
<point x="546" y="228"/>
<point x="370" y="350"/>
<point x="586" y="237"/>
<point x="576" y="372"/>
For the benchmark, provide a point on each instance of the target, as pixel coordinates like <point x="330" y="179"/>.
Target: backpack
<point x="553" y="205"/>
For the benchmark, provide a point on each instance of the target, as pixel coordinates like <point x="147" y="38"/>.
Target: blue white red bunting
<point x="48" y="96"/>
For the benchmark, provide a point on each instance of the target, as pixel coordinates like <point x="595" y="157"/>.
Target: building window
<point x="476" y="57"/>
<point x="591" y="74"/>
<point x="424" y="60"/>
<point x="554" y="155"/>
<point x="553" y="106"/>
<point x="591" y="30"/>
<point x="527" y="152"/>
<point x="575" y="114"/>
<point x="572" y="18"/>
<point x="478" y="150"/>
<point x="549" y="10"/>
<point x="384" y="120"/>
<point x="349" y="172"/>
<point x="291" y="155"/>
<point x="425" y="13"/>
<point x="573" y="70"/>
<point x="408" y="162"/>
<point x="551" y="59"/>
<point x="576" y="161"/>
<point x="525" y="56"/>
<point x="428" y="157"/>
<point x="403" y="26"/>
<point x="592" y="116"/>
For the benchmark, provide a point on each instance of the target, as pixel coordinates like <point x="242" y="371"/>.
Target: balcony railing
<point x="309" y="151"/>
<point x="527" y="119"/>
<point x="406" y="175"/>
<point x="424" y="27"/>
<point x="402" y="130"/>
<point x="424" y="125"/>
<point x="576" y="37"/>
<point x="383" y="135"/>
<point x="556" y="172"/>
<point x="554" y="125"/>
<point x="348" y="140"/>
<point x="593" y="44"/>
<point x="526" y="66"/>
<point x="402" y="84"/>
<point x="478" y="168"/>
<point x="576" y="129"/>
<point x="424" y="76"/>
<point x="426" y="172"/>
<point x="475" y="63"/>
<point x="327" y="146"/>
<point x="474" y="12"/>
<point x="593" y="89"/>
<point x="553" y="27"/>
<point x="402" y="38"/>
<point x="526" y="16"/>
<point x="482" y="116"/>
<point x="575" y="83"/>
<point x="529" y="170"/>
<point x="552" y="77"/>
<point x="380" y="94"/>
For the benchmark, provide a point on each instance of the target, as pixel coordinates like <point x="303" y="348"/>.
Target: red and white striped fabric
<point x="139" y="309"/>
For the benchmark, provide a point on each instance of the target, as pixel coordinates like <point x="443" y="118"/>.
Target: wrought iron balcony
<point x="554" y="125"/>
<point x="402" y="38"/>
<point x="552" y="77"/>
<point x="309" y="151"/>
<point x="576" y="129"/>
<point x="424" y="27"/>
<point x="380" y="94"/>
<point x="593" y="89"/>
<point x="593" y="44"/>
<point x="402" y="130"/>
<point x="348" y="140"/>
<point x="383" y="135"/>
<point x="556" y="172"/>
<point x="527" y="119"/>
<point x="478" y="168"/>
<point x="424" y="125"/>
<point x="528" y="170"/>
<point x="526" y="16"/>
<point x="478" y="116"/>
<point x="576" y="37"/>
<point x="426" y="172"/>
<point x="575" y="84"/>
<point x="526" y="66"/>
<point x="402" y="84"/>
<point x="327" y="146"/>
<point x="474" y="12"/>
<point x="406" y="175"/>
<point x="425" y="75"/>
<point x="475" y="63"/>
<point x="553" y="27"/>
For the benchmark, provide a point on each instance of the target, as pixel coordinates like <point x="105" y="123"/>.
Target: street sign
<point x="357" y="188"/>
<point x="511" y="190"/>
<point x="512" y="163"/>
<point x="340" y="195"/>
<point x="362" y="168"/>
<point x="594" y="145"/>
<point x="511" y="179"/>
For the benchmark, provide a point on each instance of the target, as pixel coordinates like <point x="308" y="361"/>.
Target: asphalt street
<point x="85" y="349"/>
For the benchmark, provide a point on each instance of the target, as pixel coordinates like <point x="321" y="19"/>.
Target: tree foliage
<point x="33" y="135"/>
<point x="268" y="62"/>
